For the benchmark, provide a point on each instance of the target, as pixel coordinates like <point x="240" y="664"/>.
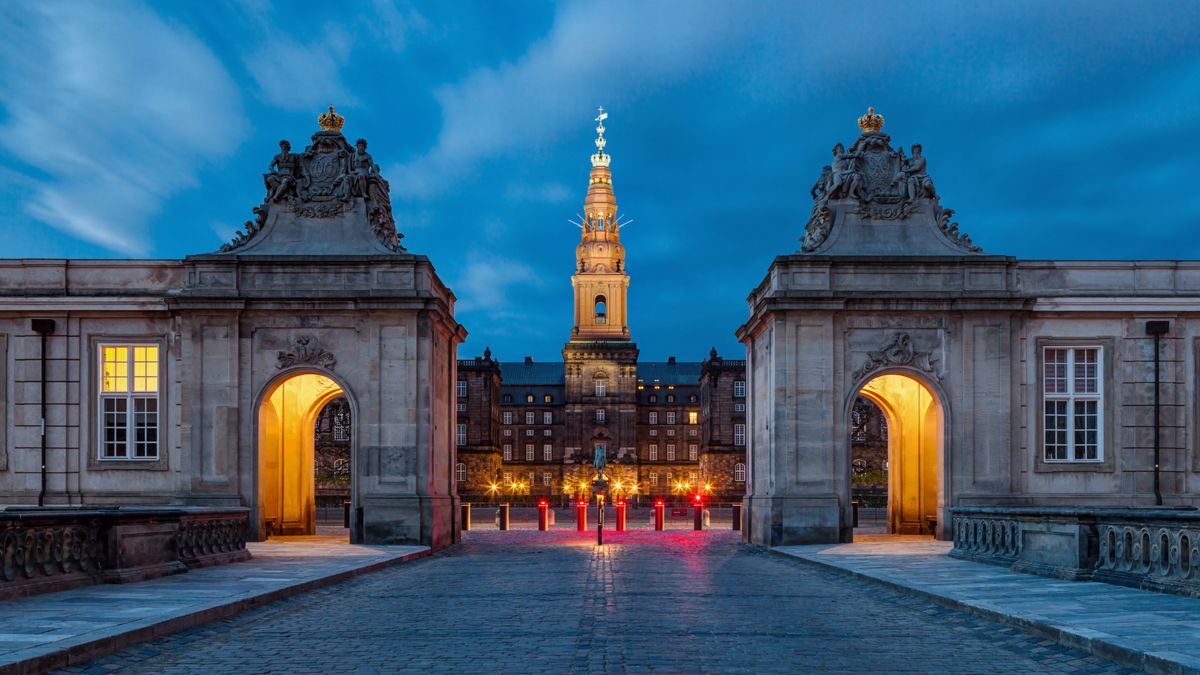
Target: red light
<point x="541" y="502"/>
<point x="658" y="503"/>
<point x="697" y="497"/>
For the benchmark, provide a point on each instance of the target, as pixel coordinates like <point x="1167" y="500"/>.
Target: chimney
<point x="671" y="360"/>
<point x="528" y="359"/>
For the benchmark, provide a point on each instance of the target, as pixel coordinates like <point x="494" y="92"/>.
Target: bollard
<point x="502" y="516"/>
<point x="737" y="517"/>
<point x="854" y="505"/>
<point x="659" y="507"/>
<point x="698" y="515"/>
<point x="346" y="514"/>
<point x="581" y="516"/>
<point x="543" y="517"/>
<point x="466" y="516"/>
<point x="621" y="516"/>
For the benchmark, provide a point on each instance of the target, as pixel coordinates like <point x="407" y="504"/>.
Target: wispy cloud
<point x="112" y="110"/>
<point x="485" y="285"/>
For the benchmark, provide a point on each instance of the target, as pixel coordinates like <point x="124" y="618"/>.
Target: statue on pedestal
<point x="281" y="173"/>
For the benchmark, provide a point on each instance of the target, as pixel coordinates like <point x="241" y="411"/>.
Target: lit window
<point x="529" y="417"/>
<point x="692" y="398"/>
<point x="654" y="479"/>
<point x="508" y="452"/>
<point x="547" y="452"/>
<point x="671" y="417"/>
<point x="1073" y="393"/>
<point x="462" y="388"/>
<point x="546" y="477"/>
<point x="739" y="407"/>
<point x="460" y="471"/>
<point x="691" y="477"/>
<point x="693" y="417"/>
<point x="653" y="418"/>
<point x="693" y="451"/>
<point x="739" y="434"/>
<point x="529" y="398"/>
<point x="739" y="473"/>
<point x="341" y="424"/>
<point x="529" y="452"/>
<point x="654" y="452"/>
<point x="547" y="399"/>
<point x="508" y="478"/>
<point x="547" y="418"/>
<point x="508" y="417"/>
<point x="129" y="401"/>
<point x="739" y="388"/>
<point x="600" y="415"/>
<point x="461" y="436"/>
<point x="670" y="452"/>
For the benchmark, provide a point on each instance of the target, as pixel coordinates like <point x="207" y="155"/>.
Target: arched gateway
<point x="1005" y="383"/>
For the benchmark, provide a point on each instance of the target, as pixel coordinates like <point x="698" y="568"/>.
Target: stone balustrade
<point x="53" y="549"/>
<point x="1151" y="548"/>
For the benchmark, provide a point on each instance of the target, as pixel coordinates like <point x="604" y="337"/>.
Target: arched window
<point x="507" y="398"/>
<point x="600" y="309"/>
<point x="739" y="473"/>
<point x="548" y="398"/>
<point x="670" y="398"/>
<point x="461" y="472"/>
<point x="529" y="398"/>
<point x="653" y="398"/>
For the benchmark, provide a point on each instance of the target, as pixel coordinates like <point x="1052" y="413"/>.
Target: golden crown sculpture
<point x="331" y="121"/>
<point x="869" y="123"/>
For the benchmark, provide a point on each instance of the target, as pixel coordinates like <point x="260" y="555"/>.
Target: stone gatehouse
<point x="1005" y="382"/>
<point x="197" y="381"/>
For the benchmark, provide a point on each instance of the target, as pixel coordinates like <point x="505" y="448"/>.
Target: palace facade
<point x="670" y="428"/>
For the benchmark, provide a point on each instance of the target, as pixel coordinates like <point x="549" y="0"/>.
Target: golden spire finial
<point x="870" y="122"/>
<point x="330" y="121"/>
<point x="600" y="159"/>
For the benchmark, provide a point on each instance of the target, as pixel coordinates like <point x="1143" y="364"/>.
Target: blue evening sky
<point x="1055" y="129"/>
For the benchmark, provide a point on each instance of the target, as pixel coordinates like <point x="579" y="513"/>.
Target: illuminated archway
<point x="915" y="436"/>
<point x="286" y="423"/>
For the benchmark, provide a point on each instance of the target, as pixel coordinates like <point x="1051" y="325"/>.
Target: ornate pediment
<point x="330" y="181"/>
<point x="885" y="196"/>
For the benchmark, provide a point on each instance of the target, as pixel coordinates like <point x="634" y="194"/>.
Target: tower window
<point x="601" y="312"/>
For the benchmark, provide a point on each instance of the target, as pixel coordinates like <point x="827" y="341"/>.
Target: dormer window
<point x="601" y="312"/>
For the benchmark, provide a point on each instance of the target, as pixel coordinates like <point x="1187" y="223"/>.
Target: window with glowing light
<point x="508" y="478"/>
<point x="1072" y="404"/>
<point x="654" y="479"/>
<point x="693" y="417"/>
<point x="129" y="396"/>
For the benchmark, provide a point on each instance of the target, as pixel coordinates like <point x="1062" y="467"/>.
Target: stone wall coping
<point x="1136" y="513"/>
<point x="23" y="514"/>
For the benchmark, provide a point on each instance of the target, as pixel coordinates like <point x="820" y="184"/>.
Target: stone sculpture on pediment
<point x="329" y="180"/>
<point x="873" y="182"/>
<point x="899" y="351"/>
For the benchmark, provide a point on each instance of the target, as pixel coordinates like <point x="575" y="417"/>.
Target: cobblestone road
<point x="523" y="601"/>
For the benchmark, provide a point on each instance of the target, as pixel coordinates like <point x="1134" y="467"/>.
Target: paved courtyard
<point x="523" y="601"/>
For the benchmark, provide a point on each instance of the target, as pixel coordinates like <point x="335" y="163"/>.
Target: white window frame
<point x="670" y="417"/>
<point x="461" y="407"/>
<point x="529" y="452"/>
<point x="508" y="417"/>
<point x="547" y="452"/>
<point x="462" y="388"/>
<point x="601" y="388"/>
<point x="739" y="389"/>
<point x="739" y="434"/>
<point x="460" y="435"/>
<point x="547" y="477"/>
<point x="653" y="479"/>
<point x="739" y="473"/>
<point x="653" y="417"/>
<point x="530" y="417"/>
<point x="739" y="407"/>
<point x="130" y="397"/>
<point x="601" y="416"/>
<point x="507" y="478"/>
<point x="670" y="452"/>
<point x="508" y="452"/>
<point x="547" y="432"/>
<point x="693" y="452"/>
<point x="547" y="418"/>
<point x="653" y="451"/>
<point x="1071" y="397"/>
<point x="460" y="472"/>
